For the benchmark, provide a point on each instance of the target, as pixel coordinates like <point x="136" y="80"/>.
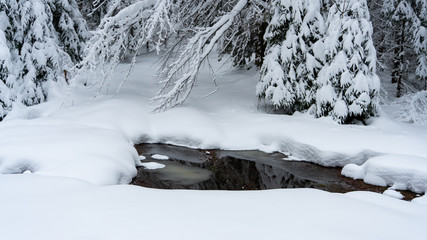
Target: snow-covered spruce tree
<point x="244" y="42"/>
<point x="382" y="33"/>
<point x="5" y="59"/>
<point x="420" y="40"/>
<point x="293" y="59"/>
<point x="5" y="70"/>
<point x="36" y="54"/>
<point x="100" y="9"/>
<point x="91" y="13"/>
<point x="39" y="59"/>
<point x="70" y="27"/>
<point x="348" y="85"/>
<point x="400" y="16"/>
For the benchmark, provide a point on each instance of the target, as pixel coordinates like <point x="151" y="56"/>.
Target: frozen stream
<point x="186" y="168"/>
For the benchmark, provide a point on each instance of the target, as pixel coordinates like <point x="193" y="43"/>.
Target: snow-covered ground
<point x="74" y="149"/>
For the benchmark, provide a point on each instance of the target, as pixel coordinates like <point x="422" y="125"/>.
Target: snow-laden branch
<point x="124" y="33"/>
<point x="179" y="75"/>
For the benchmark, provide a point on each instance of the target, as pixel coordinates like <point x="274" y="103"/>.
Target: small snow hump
<point x="159" y="157"/>
<point x="152" y="165"/>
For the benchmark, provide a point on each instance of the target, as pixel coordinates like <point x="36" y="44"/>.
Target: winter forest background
<point x="320" y="56"/>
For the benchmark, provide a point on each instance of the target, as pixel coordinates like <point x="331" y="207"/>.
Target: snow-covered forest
<point x="333" y="83"/>
<point x="319" y="56"/>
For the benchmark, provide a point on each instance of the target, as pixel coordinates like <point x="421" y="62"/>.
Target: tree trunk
<point x="401" y="60"/>
<point x="396" y="63"/>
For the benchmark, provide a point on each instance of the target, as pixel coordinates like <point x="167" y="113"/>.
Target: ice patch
<point x="153" y="165"/>
<point x="141" y="157"/>
<point x="159" y="157"/>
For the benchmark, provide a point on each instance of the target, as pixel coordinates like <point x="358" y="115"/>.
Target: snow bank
<point x="399" y="171"/>
<point x="39" y="207"/>
<point x="393" y="193"/>
<point x="61" y="148"/>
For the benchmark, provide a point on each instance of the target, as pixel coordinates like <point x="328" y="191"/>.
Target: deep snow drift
<point x="39" y="207"/>
<point x="73" y="146"/>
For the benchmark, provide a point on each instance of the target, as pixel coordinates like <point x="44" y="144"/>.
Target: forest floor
<point x="65" y="165"/>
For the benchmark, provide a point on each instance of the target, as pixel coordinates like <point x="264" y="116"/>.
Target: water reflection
<point x="239" y="170"/>
<point x="227" y="170"/>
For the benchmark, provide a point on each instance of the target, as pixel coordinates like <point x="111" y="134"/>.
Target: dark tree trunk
<point x="396" y="60"/>
<point x="399" y="64"/>
<point x="260" y="48"/>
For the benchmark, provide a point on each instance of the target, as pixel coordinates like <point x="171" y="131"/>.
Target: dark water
<point x="239" y="170"/>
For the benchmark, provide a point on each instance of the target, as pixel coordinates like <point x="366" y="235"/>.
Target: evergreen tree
<point x="70" y="26"/>
<point x="348" y="85"/>
<point x="34" y="52"/>
<point x="400" y="17"/>
<point x="292" y="60"/>
<point x="382" y="33"/>
<point x="5" y="69"/>
<point x="244" y="41"/>
<point x="96" y="10"/>
<point x="399" y="38"/>
<point x="420" y="40"/>
<point x="39" y="54"/>
<point x="6" y="9"/>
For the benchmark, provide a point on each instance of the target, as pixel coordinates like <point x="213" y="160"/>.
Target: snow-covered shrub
<point x="292" y="60"/>
<point x="348" y="85"/>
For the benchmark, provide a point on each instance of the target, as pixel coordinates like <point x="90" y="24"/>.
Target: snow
<point x="393" y="193"/>
<point x="413" y="108"/>
<point x="63" y="208"/>
<point x="400" y="171"/>
<point x="62" y="148"/>
<point x="75" y="150"/>
<point x="292" y="158"/>
<point x="152" y="165"/>
<point x="159" y="157"/>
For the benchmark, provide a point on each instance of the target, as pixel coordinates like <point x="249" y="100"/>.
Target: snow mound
<point x="60" y="148"/>
<point x="393" y="193"/>
<point x="152" y="165"/>
<point x="399" y="171"/>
